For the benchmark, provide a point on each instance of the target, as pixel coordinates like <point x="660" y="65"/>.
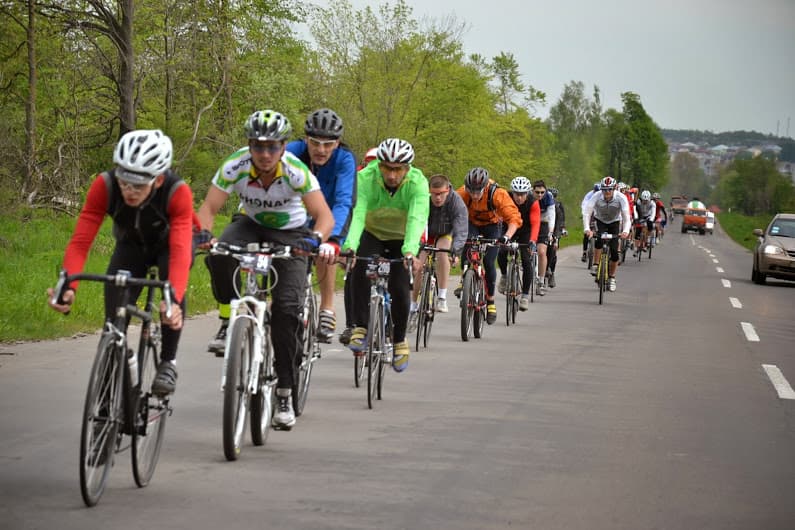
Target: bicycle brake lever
<point x="167" y="297"/>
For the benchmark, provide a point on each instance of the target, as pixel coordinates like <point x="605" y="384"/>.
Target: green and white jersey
<point x="280" y="205"/>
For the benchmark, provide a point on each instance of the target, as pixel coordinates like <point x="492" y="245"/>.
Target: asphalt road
<point x="654" y="410"/>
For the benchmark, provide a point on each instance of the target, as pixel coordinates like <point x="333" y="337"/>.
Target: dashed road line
<point x="750" y="332"/>
<point x="735" y="303"/>
<point x="780" y="383"/>
<point x="715" y="261"/>
<point x="719" y="269"/>
<point x="726" y="283"/>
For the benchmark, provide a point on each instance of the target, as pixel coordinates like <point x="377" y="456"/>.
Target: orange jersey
<point x="479" y="213"/>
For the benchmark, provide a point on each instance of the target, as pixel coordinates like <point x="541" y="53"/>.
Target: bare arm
<point x="319" y="211"/>
<point x="213" y="202"/>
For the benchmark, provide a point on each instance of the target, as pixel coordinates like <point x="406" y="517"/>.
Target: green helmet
<point x="268" y="125"/>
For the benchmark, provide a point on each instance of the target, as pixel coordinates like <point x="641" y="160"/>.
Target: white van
<point x="710" y="222"/>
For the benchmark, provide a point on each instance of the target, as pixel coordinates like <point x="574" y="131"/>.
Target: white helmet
<point x="142" y="155"/>
<point x="396" y="151"/>
<point x="645" y="195"/>
<point x="521" y="185"/>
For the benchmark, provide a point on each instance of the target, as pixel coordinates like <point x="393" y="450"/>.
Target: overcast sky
<point x="716" y="65"/>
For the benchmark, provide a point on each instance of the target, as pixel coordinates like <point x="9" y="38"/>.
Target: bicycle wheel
<point x="149" y="420"/>
<point x="510" y="294"/>
<point x="375" y="348"/>
<point x="479" y="318"/>
<point x="388" y="348"/>
<point x="430" y="312"/>
<point x="358" y="368"/>
<point x="590" y="253"/>
<point x="309" y="355"/>
<point x="601" y="274"/>
<point x="650" y="247"/>
<point x="262" y="402"/>
<point x="422" y="306"/>
<point x="624" y="247"/>
<point x="236" y="396"/>
<point x="467" y="304"/>
<point x="101" y="419"/>
<point x="516" y="289"/>
<point x="534" y="276"/>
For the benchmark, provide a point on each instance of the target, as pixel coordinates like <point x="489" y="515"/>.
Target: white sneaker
<point x="284" y="419"/>
<point x="503" y="285"/>
<point x="524" y="302"/>
<point x="441" y="305"/>
<point x="413" y="317"/>
<point x="611" y="284"/>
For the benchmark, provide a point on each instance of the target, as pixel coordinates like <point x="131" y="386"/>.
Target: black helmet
<point x="324" y="123"/>
<point x="476" y="179"/>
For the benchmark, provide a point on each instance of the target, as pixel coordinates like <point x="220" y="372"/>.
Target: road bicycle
<point x="513" y="283"/>
<point x="429" y="294"/>
<point x="589" y="252"/>
<point x="602" y="267"/>
<point x="473" y="288"/>
<point x="119" y="400"/>
<point x="644" y="244"/>
<point x="248" y="377"/>
<point x="310" y="352"/>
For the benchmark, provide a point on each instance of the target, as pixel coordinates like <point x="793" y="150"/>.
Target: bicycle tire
<point x="534" y="276"/>
<point x="304" y="377"/>
<point x="358" y="369"/>
<point x="388" y="352"/>
<point x="516" y="289"/>
<point x="467" y="304"/>
<point x="375" y="347"/>
<point x="101" y="419"/>
<point x="591" y="245"/>
<point x="236" y="398"/>
<point x="421" y="307"/>
<point x="624" y="248"/>
<point x="430" y="314"/>
<point x="149" y="418"/>
<point x="509" y="292"/>
<point x="602" y="276"/>
<point x="479" y="317"/>
<point x="650" y="247"/>
<point x="262" y="403"/>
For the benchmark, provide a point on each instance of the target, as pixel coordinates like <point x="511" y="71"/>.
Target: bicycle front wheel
<point x="601" y="274"/>
<point x="101" y="419"/>
<point x="236" y="396"/>
<point x="467" y="304"/>
<point x="421" y="306"/>
<point x="430" y="310"/>
<point x="308" y="357"/>
<point x="149" y="421"/>
<point x="479" y="297"/>
<point x="375" y="349"/>
<point x="262" y="402"/>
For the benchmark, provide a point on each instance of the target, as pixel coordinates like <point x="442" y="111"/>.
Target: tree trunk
<point x="31" y="181"/>
<point x="126" y="68"/>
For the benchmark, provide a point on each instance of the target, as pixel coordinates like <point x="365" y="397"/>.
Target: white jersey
<point x="280" y="205"/>
<point x="586" y="199"/>
<point x="616" y="209"/>
<point x="645" y="211"/>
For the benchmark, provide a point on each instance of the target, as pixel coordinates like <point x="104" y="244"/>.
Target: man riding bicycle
<point x="276" y="192"/>
<point x="645" y="212"/>
<point x="611" y="211"/>
<point x="152" y="212"/>
<point x="388" y="220"/>
<point x="489" y="206"/>
<point x="661" y="216"/>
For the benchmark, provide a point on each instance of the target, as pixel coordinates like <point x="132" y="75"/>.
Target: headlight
<point x="773" y="249"/>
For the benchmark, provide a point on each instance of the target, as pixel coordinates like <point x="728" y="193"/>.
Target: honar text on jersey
<point x="260" y="203"/>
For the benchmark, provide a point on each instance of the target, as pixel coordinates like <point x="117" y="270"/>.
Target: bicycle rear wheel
<point x="375" y="349"/>
<point x="236" y="397"/>
<point x="309" y="355"/>
<point x="149" y="420"/>
<point x="101" y="419"/>
<point x="262" y="402"/>
<point x="358" y="368"/>
<point x="467" y="304"/>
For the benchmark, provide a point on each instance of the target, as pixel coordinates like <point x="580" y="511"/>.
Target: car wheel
<point x="757" y="277"/>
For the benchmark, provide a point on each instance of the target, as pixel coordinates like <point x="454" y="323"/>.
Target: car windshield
<point x="783" y="228"/>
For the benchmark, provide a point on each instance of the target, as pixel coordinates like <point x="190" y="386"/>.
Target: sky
<point x="717" y="65"/>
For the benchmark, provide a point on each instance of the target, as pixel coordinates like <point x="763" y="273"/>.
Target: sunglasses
<point x="265" y="148"/>
<point x="392" y="168"/>
<point x="539" y="192"/>
<point x="129" y="186"/>
<point x="320" y="142"/>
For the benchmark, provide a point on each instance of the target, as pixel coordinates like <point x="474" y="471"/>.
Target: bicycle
<point x="248" y="377"/>
<point x="513" y="284"/>
<point x="473" y="288"/>
<point x="119" y="401"/>
<point x="602" y="267"/>
<point x="311" y="350"/>
<point x="429" y="293"/>
<point x="380" y="327"/>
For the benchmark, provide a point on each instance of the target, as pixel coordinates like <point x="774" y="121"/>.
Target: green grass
<point x="740" y="227"/>
<point x="32" y="243"/>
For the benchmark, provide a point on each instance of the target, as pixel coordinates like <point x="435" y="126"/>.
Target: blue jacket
<point x="337" y="180"/>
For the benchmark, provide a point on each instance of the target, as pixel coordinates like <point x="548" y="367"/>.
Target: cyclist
<point x="152" y="212"/>
<point x="369" y="156"/>
<point x="585" y="200"/>
<point x="547" y="204"/>
<point x="611" y="211"/>
<point x="527" y="234"/>
<point x="661" y="216"/>
<point x="276" y="192"/>
<point x="558" y="232"/>
<point x="335" y="168"/>
<point x="644" y="219"/>
<point x="447" y="228"/>
<point x="388" y="220"/>
<point x="489" y="206"/>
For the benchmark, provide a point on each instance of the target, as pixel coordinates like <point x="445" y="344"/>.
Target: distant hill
<point x="732" y="138"/>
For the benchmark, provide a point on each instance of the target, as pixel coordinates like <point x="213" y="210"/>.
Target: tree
<point x="687" y="177"/>
<point x="755" y="187"/>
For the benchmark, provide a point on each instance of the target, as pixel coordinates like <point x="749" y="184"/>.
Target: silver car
<point x="774" y="254"/>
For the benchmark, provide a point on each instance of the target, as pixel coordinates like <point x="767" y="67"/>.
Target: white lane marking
<point x="715" y="261"/>
<point x="750" y="332"/>
<point x="780" y="383"/>
<point x="719" y="269"/>
<point x="726" y="283"/>
<point x="735" y="303"/>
